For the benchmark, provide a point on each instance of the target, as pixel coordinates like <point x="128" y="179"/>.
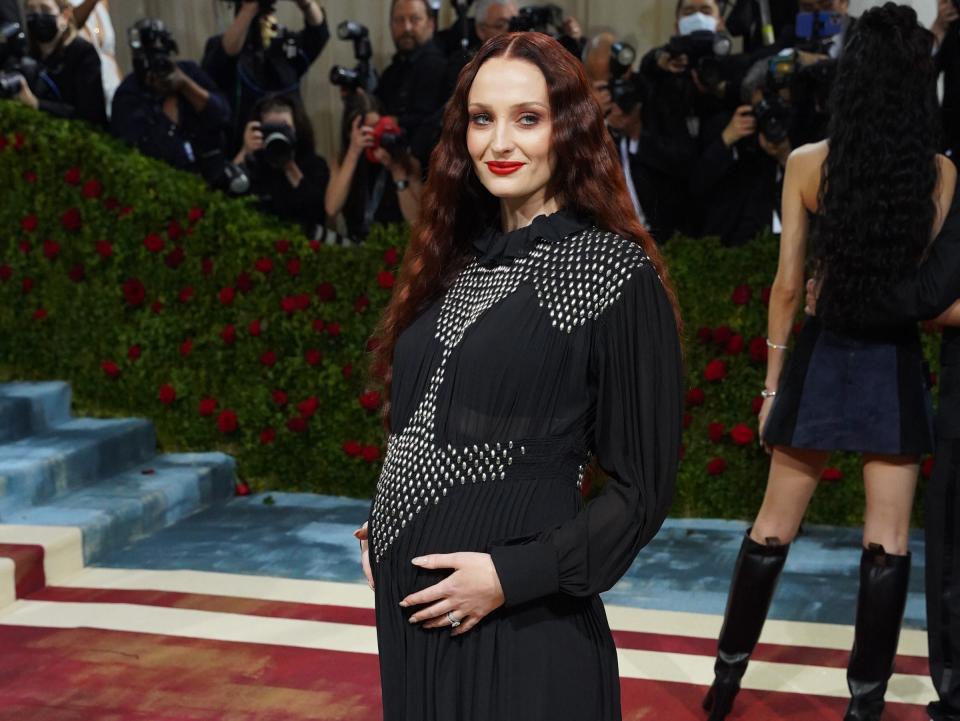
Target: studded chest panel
<point x="575" y="280"/>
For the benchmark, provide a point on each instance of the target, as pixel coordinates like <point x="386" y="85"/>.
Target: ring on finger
<point x="454" y="621"/>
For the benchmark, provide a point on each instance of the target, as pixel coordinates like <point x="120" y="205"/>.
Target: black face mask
<point x="42" y="27"/>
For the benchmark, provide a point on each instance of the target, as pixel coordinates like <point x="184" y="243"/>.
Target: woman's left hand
<point x="471" y="592"/>
<point x="26" y="95"/>
<point x="293" y="173"/>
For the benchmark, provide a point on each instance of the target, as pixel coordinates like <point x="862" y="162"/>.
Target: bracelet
<point x="775" y="346"/>
<point x="766" y="393"/>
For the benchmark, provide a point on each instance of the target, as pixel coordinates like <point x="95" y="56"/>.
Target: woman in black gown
<point x="532" y="333"/>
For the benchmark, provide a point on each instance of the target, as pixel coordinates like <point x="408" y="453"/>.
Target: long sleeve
<point x="636" y="365"/>
<point x="75" y="90"/>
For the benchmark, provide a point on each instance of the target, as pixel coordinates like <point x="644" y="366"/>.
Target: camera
<point x="627" y="89"/>
<point x="14" y="61"/>
<point x="279" y="144"/>
<point x="704" y="50"/>
<point x="539" y="18"/>
<point x="151" y="45"/>
<point x="387" y="134"/>
<point x="223" y="175"/>
<point x="362" y="74"/>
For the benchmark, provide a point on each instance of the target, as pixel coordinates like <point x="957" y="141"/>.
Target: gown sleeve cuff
<point x="526" y="570"/>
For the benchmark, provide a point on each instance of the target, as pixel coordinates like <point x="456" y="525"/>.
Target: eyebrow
<point x="515" y="105"/>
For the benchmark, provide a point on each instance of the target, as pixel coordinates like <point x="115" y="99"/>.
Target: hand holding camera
<point x="743" y="124"/>
<point x="166" y="83"/>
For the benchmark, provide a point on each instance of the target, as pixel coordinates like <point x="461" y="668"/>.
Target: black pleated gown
<point x="556" y="344"/>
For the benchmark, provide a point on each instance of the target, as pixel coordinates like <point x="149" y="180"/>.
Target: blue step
<point x="73" y="454"/>
<point x="29" y="408"/>
<point x="130" y="505"/>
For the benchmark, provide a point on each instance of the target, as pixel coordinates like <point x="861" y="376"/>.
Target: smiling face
<point x="509" y="135"/>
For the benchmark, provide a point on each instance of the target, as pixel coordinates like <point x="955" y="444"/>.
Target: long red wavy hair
<point x="588" y="177"/>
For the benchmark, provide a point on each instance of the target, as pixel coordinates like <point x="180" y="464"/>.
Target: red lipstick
<point x="503" y="167"/>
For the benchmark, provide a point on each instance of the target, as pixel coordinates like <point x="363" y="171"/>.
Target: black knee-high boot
<point x="755" y="579"/>
<point x="880" y="604"/>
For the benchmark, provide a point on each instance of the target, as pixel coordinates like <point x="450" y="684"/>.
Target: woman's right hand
<point x="252" y="137"/>
<point x="361" y="533"/>
<point x="361" y="136"/>
<point x="762" y="421"/>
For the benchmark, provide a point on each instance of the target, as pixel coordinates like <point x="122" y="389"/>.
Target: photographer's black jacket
<point x="948" y="62"/>
<point x="70" y="85"/>
<point x="411" y="88"/>
<point x="138" y="118"/>
<point x="303" y="204"/>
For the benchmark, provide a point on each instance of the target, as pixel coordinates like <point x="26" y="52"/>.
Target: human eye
<point x="529" y="119"/>
<point x="479" y="118"/>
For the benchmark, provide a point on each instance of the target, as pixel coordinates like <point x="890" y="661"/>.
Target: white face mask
<point x="697" y="21"/>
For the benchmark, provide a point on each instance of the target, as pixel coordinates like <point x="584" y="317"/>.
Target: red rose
<point x="370" y="400"/>
<point x="282" y="246"/>
<point x="51" y="249"/>
<point x="156" y="307"/>
<point x="77" y="273"/>
<point x="71" y="220"/>
<point x="319" y="326"/>
<point x="263" y="265"/>
<point x="227" y="295"/>
<point x="206" y="266"/>
<point x="347" y="370"/>
<point x="333" y="329"/>
<point x="229" y="334"/>
<point x="207" y="406"/>
<point x="716" y="370"/>
<point x="39" y="314"/>
<point x="26" y="285"/>
<point x="72" y="176"/>
<point x="326" y="292"/>
<point x="186" y="348"/>
<point x="315" y="245"/>
<point x="391" y="256"/>
<point x="716" y="432"/>
<point x="174" y="258"/>
<point x="227" y="421"/>
<point x="385" y="279"/>
<point x="29" y="176"/>
<point x="92" y="189"/>
<point x="153" y="242"/>
<point x="168" y="394"/>
<point x="308" y="407"/>
<point x="280" y="398"/>
<point x="29" y="223"/>
<point x="926" y="468"/>
<point x="370" y="453"/>
<point x="174" y="230"/>
<point x="110" y="368"/>
<point x="125" y="211"/>
<point x="765" y="295"/>
<point x="297" y="425"/>
<point x="104" y="249"/>
<point x="741" y="294"/>
<point x="241" y="488"/>
<point x="288" y="304"/>
<point x="255" y="327"/>
<point x="111" y="203"/>
<point x="742" y="434"/>
<point x="734" y="346"/>
<point x="361" y="304"/>
<point x="244" y="282"/>
<point x="758" y="350"/>
<point x="352" y="448"/>
<point x="721" y="335"/>
<point x="134" y="292"/>
<point x="293" y="266"/>
<point x="302" y="301"/>
<point x="134" y="352"/>
<point x="831" y="475"/>
<point x="5" y="272"/>
<point x="267" y="436"/>
<point x="186" y="294"/>
<point x="269" y="359"/>
<point x="195" y="215"/>
<point x="695" y="397"/>
<point x="756" y="404"/>
<point x="19" y="141"/>
<point x="687" y="419"/>
<point x="716" y="466"/>
<point x="313" y="356"/>
<point x="705" y="334"/>
<point x="25" y="247"/>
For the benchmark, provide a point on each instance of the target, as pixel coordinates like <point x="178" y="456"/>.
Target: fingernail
<point x="403" y="603"/>
<point x="416" y="561"/>
<point x="412" y="619"/>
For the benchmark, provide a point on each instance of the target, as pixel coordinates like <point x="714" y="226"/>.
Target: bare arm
<point x="82" y="12"/>
<point x="236" y="35"/>
<point x="409" y="198"/>
<point x="312" y="13"/>
<point x="341" y="177"/>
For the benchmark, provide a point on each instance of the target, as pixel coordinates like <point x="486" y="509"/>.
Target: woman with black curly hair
<point x="870" y="198"/>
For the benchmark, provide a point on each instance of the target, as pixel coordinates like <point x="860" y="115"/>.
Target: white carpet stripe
<point x="62" y="547"/>
<point x="8" y="582"/>
<point x="214" y="626"/>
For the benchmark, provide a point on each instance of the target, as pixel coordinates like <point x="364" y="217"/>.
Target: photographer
<point x="945" y="29"/>
<point x="167" y="110"/>
<point x="411" y="88"/>
<point x="368" y="184"/>
<point x="279" y="156"/>
<point x="67" y="80"/>
<point x="492" y="18"/>
<point x="256" y="56"/>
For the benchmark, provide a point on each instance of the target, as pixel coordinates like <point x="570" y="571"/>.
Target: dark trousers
<point x="942" y="511"/>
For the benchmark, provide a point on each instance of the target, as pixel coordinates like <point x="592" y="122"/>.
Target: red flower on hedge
<point x="370" y="453"/>
<point x="92" y="189"/>
<point x="734" y="346"/>
<point x="195" y="215"/>
<point x="40" y="314"/>
<point x="280" y="397"/>
<point x="361" y="304"/>
<point x="29" y="176"/>
<point x="26" y="286"/>
<point x="255" y="327"/>
<point x="297" y="425"/>
<point x="206" y="265"/>
<point x="319" y="326"/>
<point x="716" y="466"/>
<point x="741" y="294"/>
<point x="293" y="267"/>
<point x="227" y="295"/>
<point x="831" y="475"/>
<point x="19" y="141"/>
<point x="282" y="246"/>
<point x="315" y="245"/>
<point x="695" y="397"/>
<point x="244" y="282"/>
<point x="716" y="432"/>
<point x="5" y="272"/>
<point x="347" y="370"/>
<point x="227" y="421"/>
<point x="268" y="359"/>
<point x="71" y="220"/>
<point x="156" y="307"/>
<point x="174" y="258"/>
<point x="288" y="304"/>
<point x="186" y="348"/>
<point x="333" y="329"/>
<point x="687" y="419"/>
<point x="722" y="334"/>
<point x="268" y="436"/>
<point x="29" y="223"/>
<point x="77" y="273"/>
<point x="104" y="248"/>
<point x="229" y="334"/>
<point x="756" y="403"/>
<point x="153" y="242"/>
<point x="391" y="256"/>
<point x="326" y="292"/>
<point x="308" y="407"/>
<point x="716" y="370"/>
<point x="263" y="265"/>
<point x="186" y="294"/>
<point x="25" y="247"/>
<point x="111" y="203"/>
<point x="241" y="488"/>
<point x="352" y="448"/>
<point x="385" y="279"/>
<point x="51" y="249"/>
<point x="742" y="434"/>
<point x="207" y="406"/>
<point x="926" y="468"/>
<point x="313" y="356"/>
<point x="134" y="291"/>
<point x="174" y="230"/>
<point x="72" y="176"/>
<point x="167" y="394"/>
<point x="110" y="368"/>
<point x="758" y="350"/>
<point x="705" y="334"/>
<point x="134" y="352"/>
<point x="370" y="400"/>
<point x="303" y="301"/>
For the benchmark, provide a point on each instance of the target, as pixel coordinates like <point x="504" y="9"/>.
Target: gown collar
<point x="495" y="247"/>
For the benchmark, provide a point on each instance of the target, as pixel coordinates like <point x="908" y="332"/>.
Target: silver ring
<point x="454" y="622"/>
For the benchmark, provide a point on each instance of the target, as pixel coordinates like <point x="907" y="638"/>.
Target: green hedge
<point x="144" y="290"/>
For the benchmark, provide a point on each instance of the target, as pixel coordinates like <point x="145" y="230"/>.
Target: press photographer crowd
<point x="704" y="122"/>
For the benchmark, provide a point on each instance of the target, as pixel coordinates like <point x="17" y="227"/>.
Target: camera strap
<point x="373" y="199"/>
<point x="50" y="83"/>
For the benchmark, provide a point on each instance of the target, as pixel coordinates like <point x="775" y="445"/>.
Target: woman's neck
<point x="518" y="213"/>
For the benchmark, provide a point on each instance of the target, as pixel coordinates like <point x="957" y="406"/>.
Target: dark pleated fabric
<point x="610" y="388"/>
